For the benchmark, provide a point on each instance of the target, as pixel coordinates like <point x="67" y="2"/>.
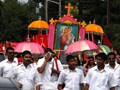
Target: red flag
<point x="107" y="41"/>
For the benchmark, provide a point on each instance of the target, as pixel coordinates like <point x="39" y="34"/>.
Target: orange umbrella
<point x="39" y="24"/>
<point x="94" y="28"/>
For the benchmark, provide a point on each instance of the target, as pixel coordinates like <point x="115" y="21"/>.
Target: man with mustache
<point x="26" y="75"/>
<point x="114" y="67"/>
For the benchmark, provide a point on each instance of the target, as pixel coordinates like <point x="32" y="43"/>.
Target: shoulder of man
<point x="41" y="59"/>
<point x="78" y="70"/>
<point x="92" y="69"/>
<point x="4" y="61"/>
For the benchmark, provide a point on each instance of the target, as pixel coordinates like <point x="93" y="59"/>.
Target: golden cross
<point x="83" y="24"/>
<point x="69" y="7"/>
<point x="51" y="21"/>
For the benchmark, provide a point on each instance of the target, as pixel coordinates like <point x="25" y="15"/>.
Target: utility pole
<point x="108" y="12"/>
<point x="38" y="9"/>
<point x="60" y="8"/>
<point x="46" y="8"/>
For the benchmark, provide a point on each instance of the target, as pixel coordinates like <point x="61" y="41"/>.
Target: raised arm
<point x="42" y="68"/>
<point x="42" y="64"/>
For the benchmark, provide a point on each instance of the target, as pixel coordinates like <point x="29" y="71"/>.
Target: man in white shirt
<point x="49" y="70"/>
<point x="26" y="75"/>
<point x="71" y="77"/>
<point x="114" y="67"/>
<point x="98" y="77"/>
<point x="7" y="65"/>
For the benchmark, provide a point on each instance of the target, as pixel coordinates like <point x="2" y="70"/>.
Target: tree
<point x="15" y="19"/>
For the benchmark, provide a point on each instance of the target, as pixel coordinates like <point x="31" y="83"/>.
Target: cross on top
<point x="51" y="21"/>
<point x="83" y="24"/>
<point x="69" y="7"/>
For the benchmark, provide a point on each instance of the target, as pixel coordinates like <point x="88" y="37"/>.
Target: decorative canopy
<point x="94" y="28"/>
<point x="39" y="24"/>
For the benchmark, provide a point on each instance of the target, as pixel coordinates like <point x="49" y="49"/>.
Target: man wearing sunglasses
<point x="114" y="67"/>
<point x="7" y="65"/>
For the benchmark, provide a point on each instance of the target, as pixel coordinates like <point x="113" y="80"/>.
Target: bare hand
<point x="87" y="61"/>
<point x="19" y="85"/>
<point x="47" y="56"/>
<point x="53" y="70"/>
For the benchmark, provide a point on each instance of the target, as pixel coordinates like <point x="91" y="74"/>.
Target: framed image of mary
<point x="65" y="35"/>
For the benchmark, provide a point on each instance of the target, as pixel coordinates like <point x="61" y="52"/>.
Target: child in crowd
<point x="78" y="63"/>
<point x="89" y="64"/>
<point x="71" y="77"/>
<point x="98" y="77"/>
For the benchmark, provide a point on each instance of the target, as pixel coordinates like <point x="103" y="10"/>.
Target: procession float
<point x="65" y="35"/>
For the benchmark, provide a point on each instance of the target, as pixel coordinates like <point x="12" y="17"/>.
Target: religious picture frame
<point x="65" y="35"/>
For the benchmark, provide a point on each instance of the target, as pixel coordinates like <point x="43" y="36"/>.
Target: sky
<point x="20" y="1"/>
<point x="23" y="1"/>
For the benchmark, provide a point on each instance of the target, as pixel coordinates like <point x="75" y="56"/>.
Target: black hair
<point x="26" y="52"/>
<point x="69" y="57"/>
<point x="19" y="55"/>
<point x="118" y="53"/>
<point x="48" y="50"/>
<point x="111" y="53"/>
<point x="9" y="48"/>
<point x="96" y="56"/>
<point x="102" y="55"/>
<point x="79" y="63"/>
<point x="54" y="55"/>
<point x="91" y="57"/>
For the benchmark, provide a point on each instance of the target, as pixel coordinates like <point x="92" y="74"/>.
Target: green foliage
<point x="15" y="19"/>
<point x="38" y="1"/>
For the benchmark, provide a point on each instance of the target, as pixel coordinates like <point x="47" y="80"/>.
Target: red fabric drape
<point x="40" y="39"/>
<point x="107" y="41"/>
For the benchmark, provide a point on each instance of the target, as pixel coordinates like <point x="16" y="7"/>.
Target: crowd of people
<point x="101" y="72"/>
